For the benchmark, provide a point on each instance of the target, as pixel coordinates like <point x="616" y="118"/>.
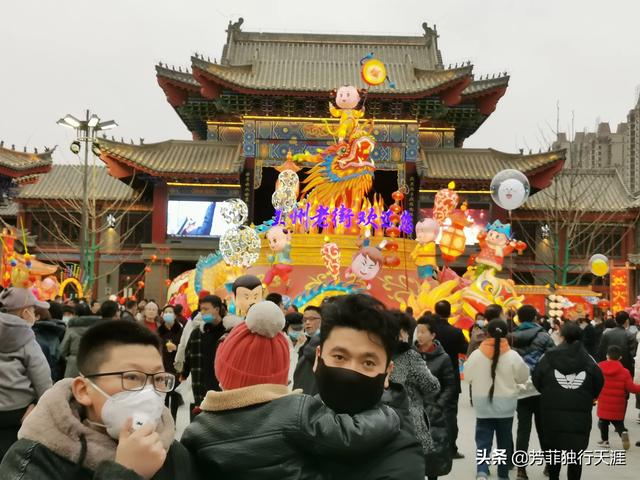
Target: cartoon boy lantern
<point x="279" y="239"/>
<point x="247" y="290"/>
<point x="347" y="99"/>
<point x="495" y="244"/>
<point x="424" y="253"/>
<point x="366" y="264"/>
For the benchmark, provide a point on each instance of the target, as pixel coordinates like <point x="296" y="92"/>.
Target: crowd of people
<point x="348" y="389"/>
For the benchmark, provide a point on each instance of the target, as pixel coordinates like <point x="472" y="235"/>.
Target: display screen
<point x="479" y="217"/>
<point x="195" y="218"/>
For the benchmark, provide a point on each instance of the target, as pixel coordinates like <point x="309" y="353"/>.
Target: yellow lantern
<point x="454" y="241"/>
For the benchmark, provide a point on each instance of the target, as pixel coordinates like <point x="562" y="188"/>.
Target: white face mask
<point x="143" y="406"/>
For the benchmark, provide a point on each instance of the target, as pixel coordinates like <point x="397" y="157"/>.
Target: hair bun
<point x="265" y="318"/>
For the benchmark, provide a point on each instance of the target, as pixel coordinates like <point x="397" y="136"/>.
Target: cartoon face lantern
<point x="511" y="193"/>
<point x="347" y="97"/>
<point x="427" y="230"/>
<point x="366" y="264"/>
<point x="278" y="238"/>
<point x="247" y="290"/>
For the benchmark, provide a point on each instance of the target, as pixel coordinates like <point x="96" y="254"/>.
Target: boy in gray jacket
<point x="24" y="371"/>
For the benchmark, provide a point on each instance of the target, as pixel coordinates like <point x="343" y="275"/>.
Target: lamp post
<point x="86" y="131"/>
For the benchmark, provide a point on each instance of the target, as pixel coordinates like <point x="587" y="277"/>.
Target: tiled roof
<point x="10" y="209"/>
<point x="177" y="156"/>
<point x="65" y="182"/>
<point x="288" y="73"/>
<point x="478" y="163"/>
<point x="24" y="162"/>
<point x="478" y="87"/>
<point x="586" y="191"/>
<point x="177" y="76"/>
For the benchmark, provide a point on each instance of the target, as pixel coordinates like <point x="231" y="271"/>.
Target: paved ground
<point x="466" y="467"/>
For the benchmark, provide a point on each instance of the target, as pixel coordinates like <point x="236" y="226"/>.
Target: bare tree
<point x="583" y="212"/>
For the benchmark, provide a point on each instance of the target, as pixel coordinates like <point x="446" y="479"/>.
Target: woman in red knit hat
<point x="612" y="402"/>
<point x="256" y="428"/>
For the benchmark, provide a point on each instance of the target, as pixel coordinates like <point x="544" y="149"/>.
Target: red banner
<point x="619" y="289"/>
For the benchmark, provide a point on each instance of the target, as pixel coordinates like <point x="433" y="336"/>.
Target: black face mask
<point x="347" y="391"/>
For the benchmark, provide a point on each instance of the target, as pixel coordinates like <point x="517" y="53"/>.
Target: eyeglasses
<point x="134" y="380"/>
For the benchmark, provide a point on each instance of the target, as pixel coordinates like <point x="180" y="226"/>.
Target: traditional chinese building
<point x="268" y="94"/>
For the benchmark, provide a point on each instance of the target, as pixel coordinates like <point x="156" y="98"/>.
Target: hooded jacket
<point x="267" y="432"/>
<point x="24" y="372"/>
<point x="612" y="402"/>
<point x="49" y="335"/>
<point x="438" y="407"/>
<point x="71" y="342"/>
<point x="510" y="371"/>
<point x="56" y="443"/>
<point x="569" y="380"/>
<point x="531" y="341"/>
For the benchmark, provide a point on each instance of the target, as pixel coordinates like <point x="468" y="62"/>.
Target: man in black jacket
<point x="621" y="337"/>
<point x="454" y="343"/>
<point x="303" y="377"/>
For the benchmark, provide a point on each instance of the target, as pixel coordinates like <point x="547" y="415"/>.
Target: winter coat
<point x="71" y="342"/>
<point x="510" y="371"/>
<point x="612" y="402"/>
<point x="267" y="432"/>
<point x="438" y="407"/>
<point x="49" y="334"/>
<point x="303" y="377"/>
<point x="410" y="371"/>
<point x="625" y="340"/>
<point x="200" y="357"/>
<point x="531" y="341"/>
<point x="589" y="339"/>
<point x="128" y="316"/>
<point x="167" y="335"/>
<point x="569" y="380"/>
<point x="453" y="341"/>
<point x="196" y="323"/>
<point x="24" y="372"/>
<point x="56" y="443"/>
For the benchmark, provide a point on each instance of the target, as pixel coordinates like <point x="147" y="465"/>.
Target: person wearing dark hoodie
<point x="24" y="372"/>
<point x="437" y="406"/>
<point x="531" y="341"/>
<point x="109" y="423"/>
<point x="76" y="327"/>
<point x="289" y="435"/>
<point x="49" y="334"/>
<point x="569" y="380"/>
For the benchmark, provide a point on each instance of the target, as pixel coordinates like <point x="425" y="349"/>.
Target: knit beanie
<point x="255" y="352"/>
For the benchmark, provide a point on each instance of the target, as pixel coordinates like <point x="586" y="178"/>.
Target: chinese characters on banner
<point x="619" y="289"/>
<point x="325" y="217"/>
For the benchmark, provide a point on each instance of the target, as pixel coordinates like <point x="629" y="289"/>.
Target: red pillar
<point x="159" y="216"/>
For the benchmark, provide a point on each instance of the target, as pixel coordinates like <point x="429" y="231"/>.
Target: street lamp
<point x="86" y="131"/>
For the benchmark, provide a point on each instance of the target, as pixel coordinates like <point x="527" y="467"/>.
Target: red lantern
<point x="133" y="297"/>
<point x="154" y="258"/>
<point x="168" y="260"/>
<point x="394" y="218"/>
<point x="122" y="300"/>
<point x="398" y="196"/>
<point x="603" y="304"/>
<point x="393" y="232"/>
<point x="140" y="284"/>
<point x="395" y="208"/>
<point x="391" y="246"/>
<point x="147" y="269"/>
<point x="168" y="282"/>
<point x="392" y="261"/>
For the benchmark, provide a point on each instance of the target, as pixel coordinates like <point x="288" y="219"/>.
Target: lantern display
<point x="454" y="241"/>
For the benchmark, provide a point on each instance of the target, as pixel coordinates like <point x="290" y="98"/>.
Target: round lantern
<point x="284" y="200"/>
<point x="167" y="282"/>
<point x="147" y="269"/>
<point x="140" y="284"/>
<point x="154" y="258"/>
<point x="510" y="189"/>
<point x="240" y="247"/>
<point x="234" y="212"/>
<point x="452" y="243"/>
<point x="599" y="265"/>
<point x="168" y="260"/>
<point x="603" y="304"/>
<point x="398" y="196"/>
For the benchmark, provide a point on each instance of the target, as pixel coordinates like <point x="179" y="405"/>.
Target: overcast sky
<point x="64" y="56"/>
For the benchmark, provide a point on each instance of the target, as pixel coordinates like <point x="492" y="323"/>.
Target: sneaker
<point x="625" y="440"/>
<point x="522" y="474"/>
<point x="457" y="456"/>
<point x="604" y="444"/>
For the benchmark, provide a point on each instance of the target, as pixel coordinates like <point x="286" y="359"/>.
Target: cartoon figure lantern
<point x="510" y="189"/>
<point x="424" y="253"/>
<point x="279" y="239"/>
<point x="495" y="244"/>
<point x="347" y="100"/>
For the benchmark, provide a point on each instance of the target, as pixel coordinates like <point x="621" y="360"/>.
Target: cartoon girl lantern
<point x="495" y="244"/>
<point x="367" y="262"/>
<point x="279" y="239"/>
<point x="454" y="241"/>
<point x="347" y="99"/>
